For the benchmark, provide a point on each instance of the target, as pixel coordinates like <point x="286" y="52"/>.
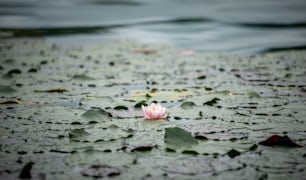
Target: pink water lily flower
<point x="154" y="111"/>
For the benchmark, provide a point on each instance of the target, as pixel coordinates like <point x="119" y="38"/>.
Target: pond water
<point x="237" y="26"/>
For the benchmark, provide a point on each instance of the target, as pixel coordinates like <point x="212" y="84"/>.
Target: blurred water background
<point x="237" y="26"/>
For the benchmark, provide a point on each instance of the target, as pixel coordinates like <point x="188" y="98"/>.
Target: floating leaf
<point x="6" y="90"/>
<point x="211" y="102"/>
<point x="253" y="95"/>
<point x="277" y="140"/>
<point x="96" y="114"/>
<point x="187" y="104"/>
<point x="179" y="138"/>
<point x="78" y="134"/>
<point x="100" y="171"/>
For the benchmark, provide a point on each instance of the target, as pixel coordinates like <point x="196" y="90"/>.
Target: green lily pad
<point x="187" y="104"/>
<point x="6" y="90"/>
<point x="179" y="138"/>
<point x="96" y="114"/>
<point x="253" y="95"/>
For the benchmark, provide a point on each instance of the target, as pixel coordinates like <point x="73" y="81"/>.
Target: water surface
<point x="239" y="26"/>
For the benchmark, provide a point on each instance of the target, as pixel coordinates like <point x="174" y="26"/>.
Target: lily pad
<point x="78" y="134"/>
<point x="6" y="90"/>
<point x="243" y="100"/>
<point x="99" y="171"/>
<point x="97" y="114"/>
<point x="277" y="140"/>
<point x="179" y="138"/>
<point x="187" y="104"/>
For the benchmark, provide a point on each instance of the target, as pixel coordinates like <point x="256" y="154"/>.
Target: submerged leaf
<point x="187" y="104"/>
<point x="253" y="95"/>
<point x="179" y="138"/>
<point x="277" y="140"/>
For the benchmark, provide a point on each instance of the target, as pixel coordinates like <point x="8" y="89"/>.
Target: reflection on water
<point x="241" y="26"/>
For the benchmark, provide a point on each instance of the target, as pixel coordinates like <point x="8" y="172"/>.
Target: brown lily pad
<point x="277" y="140"/>
<point x="99" y="171"/>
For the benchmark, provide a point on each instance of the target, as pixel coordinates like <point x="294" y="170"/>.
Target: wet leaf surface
<point x="6" y="90"/>
<point x="96" y="114"/>
<point x="78" y="134"/>
<point x="76" y="112"/>
<point x="187" y="104"/>
<point x="179" y="138"/>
